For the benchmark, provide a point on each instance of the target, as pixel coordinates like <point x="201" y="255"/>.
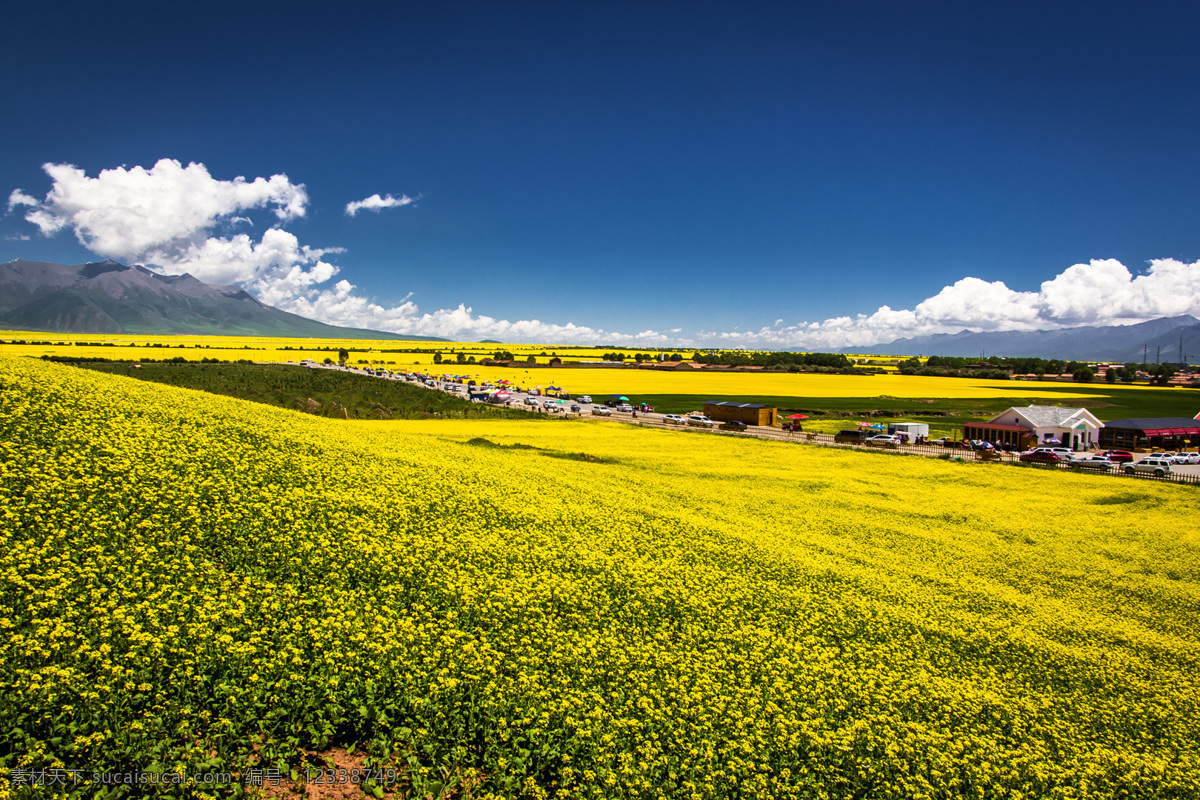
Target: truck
<point x="911" y="430"/>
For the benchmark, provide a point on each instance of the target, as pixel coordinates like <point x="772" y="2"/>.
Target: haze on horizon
<point x="684" y="174"/>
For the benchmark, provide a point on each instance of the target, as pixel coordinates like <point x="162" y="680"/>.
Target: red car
<point x="1118" y="456"/>
<point x="1040" y="457"/>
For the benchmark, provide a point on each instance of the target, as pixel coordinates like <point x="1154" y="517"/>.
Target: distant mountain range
<point x="108" y="297"/>
<point x="1122" y="343"/>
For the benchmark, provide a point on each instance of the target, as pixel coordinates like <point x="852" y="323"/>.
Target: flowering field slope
<point x="604" y="611"/>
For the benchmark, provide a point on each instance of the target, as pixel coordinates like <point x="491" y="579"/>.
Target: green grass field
<point x="1113" y="402"/>
<point x="323" y="392"/>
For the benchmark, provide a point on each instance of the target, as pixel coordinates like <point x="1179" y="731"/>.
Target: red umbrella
<point x="796" y="416"/>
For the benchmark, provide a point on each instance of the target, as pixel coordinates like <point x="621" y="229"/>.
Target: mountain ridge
<point x="1122" y="343"/>
<point x="110" y="297"/>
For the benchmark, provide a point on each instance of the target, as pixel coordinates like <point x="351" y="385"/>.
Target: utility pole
<point x="1158" y="355"/>
<point x="1144" y="346"/>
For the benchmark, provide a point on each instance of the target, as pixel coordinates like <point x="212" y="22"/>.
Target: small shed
<point x="749" y="413"/>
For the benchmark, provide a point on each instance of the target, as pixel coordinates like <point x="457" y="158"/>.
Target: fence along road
<point x="1189" y="474"/>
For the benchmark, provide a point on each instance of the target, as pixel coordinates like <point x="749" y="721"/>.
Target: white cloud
<point x="17" y="237"/>
<point x="1101" y="292"/>
<point x="19" y="198"/>
<point x="375" y="203"/>
<point x="126" y="213"/>
<point x="342" y="306"/>
<point x="273" y="267"/>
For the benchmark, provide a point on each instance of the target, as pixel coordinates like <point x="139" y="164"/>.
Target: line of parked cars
<point x="1156" y="464"/>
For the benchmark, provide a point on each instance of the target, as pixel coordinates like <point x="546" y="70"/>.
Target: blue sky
<point x="736" y="174"/>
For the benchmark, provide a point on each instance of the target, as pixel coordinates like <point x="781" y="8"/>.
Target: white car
<point x="584" y="400"/>
<point x="883" y="440"/>
<point x="672" y="419"/>
<point x="531" y="401"/>
<point x="625" y="407"/>
<point x="1188" y="458"/>
<point x="1098" y="463"/>
<point x="549" y="403"/>
<point x="699" y="421"/>
<point x="602" y="411"/>
<point x="1154" y="465"/>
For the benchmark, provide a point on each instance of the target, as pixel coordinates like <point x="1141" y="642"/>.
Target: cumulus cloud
<point x="375" y="203"/>
<point x="341" y="305"/>
<point x="125" y="213"/>
<point x="19" y="198"/>
<point x="1100" y="292"/>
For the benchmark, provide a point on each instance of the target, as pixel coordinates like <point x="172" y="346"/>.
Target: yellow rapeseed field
<point x="267" y="349"/>
<point x="578" y="609"/>
<point x="630" y="382"/>
<point x="723" y="385"/>
<point x="196" y="348"/>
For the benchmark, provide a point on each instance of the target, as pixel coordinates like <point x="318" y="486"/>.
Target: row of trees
<point x="1159" y="373"/>
<point x="641" y="357"/>
<point x="998" y="368"/>
<point x="779" y="359"/>
<point x="499" y="355"/>
<point x="460" y="358"/>
<point x="737" y="358"/>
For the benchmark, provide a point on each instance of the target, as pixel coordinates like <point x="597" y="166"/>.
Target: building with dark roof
<point x="1168" y="433"/>
<point x="749" y="413"/>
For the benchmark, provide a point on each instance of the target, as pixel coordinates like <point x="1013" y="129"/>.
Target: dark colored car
<point x="1040" y="457"/>
<point x="849" y="437"/>
<point x="733" y="425"/>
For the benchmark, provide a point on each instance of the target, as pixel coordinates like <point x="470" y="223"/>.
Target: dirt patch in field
<point x="337" y="774"/>
<point x="329" y="778"/>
